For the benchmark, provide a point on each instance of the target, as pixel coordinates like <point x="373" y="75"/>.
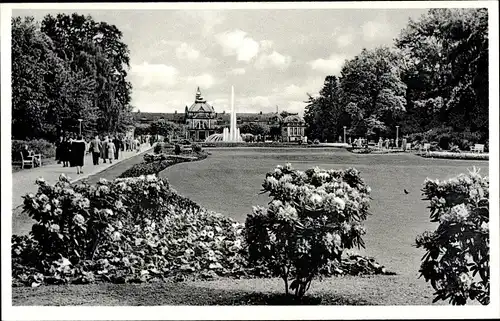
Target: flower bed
<point x="133" y="230"/>
<point x="108" y="232"/>
<point x="155" y="163"/>
<point x="462" y="155"/>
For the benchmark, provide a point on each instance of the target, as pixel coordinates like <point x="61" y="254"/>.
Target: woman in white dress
<point x="111" y="150"/>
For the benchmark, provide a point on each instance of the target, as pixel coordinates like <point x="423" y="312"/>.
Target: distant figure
<point x="78" y="148"/>
<point x="118" y="145"/>
<point x="28" y="153"/>
<point x="404" y="144"/>
<point x="104" y="149"/>
<point x="387" y="143"/>
<point x="95" y="149"/>
<point x="406" y="192"/>
<point x="380" y="143"/>
<point x="137" y="145"/>
<point x="111" y="150"/>
<point x="58" y="149"/>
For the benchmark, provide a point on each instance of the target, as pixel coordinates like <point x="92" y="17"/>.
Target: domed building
<point x="293" y="128"/>
<point x="200" y="119"/>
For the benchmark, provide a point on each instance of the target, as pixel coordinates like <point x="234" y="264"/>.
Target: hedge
<point x="39" y="146"/>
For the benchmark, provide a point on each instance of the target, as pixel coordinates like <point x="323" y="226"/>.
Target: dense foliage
<point x="435" y="77"/>
<point x="107" y="232"/>
<point x="39" y="146"/>
<point x="457" y="259"/>
<point x="65" y="68"/>
<point x="313" y="216"/>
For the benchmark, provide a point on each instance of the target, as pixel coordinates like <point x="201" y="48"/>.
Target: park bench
<point x="477" y="148"/>
<point x="408" y="146"/>
<point x="426" y="147"/>
<point x="31" y="160"/>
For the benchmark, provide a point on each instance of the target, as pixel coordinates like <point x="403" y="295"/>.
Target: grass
<point x="373" y="290"/>
<point x="237" y="175"/>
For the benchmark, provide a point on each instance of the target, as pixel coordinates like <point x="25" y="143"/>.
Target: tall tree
<point x="373" y="93"/>
<point x="446" y="69"/>
<point x="31" y="51"/>
<point x="96" y="50"/>
<point x="323" y="114"/>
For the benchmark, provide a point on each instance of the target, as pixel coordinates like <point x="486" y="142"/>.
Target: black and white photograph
<point x="254" y="160"/>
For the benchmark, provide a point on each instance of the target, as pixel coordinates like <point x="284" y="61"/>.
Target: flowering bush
<point x="313" y="217"/>
<point x="127" y="230"/>
<point x="456" y="155"/>
<point x="457" y="262"/>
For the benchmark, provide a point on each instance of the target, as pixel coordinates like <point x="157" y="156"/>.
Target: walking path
<point x="23" y="181"/>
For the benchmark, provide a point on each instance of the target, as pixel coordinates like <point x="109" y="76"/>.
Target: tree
<point x="324" y="114"/>
<point x="95" y="49"/>
<point x="373" y="93"/>
<point x="254" y="129"/>
<point x="446" y="69"/>
<point x="165" y="128"/>
<point x="30" y="49"/>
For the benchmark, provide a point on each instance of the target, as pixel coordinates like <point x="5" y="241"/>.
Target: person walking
<point x="118" y="144"/>
<point x="78" y="148"/>
<point x="95" y="149"/>
<point x="111" y="148"/>
<point x="58" y="149"/>
<point x="104" y="149"/>
<point x="137" y="145"/>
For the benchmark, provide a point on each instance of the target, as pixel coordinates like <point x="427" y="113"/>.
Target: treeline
<point x="433" y="80"/>
<point x="66" y="68"/>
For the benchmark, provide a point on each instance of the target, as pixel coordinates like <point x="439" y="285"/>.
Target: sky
<point x="271" y="57"/>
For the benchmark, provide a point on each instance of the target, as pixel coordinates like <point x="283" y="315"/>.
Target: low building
<point x="293" y="128"/>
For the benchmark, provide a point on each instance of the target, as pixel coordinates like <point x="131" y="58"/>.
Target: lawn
<point x="229" y="181"/>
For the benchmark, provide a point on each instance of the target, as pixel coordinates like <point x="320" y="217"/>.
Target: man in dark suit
<point x="95" y="149"/>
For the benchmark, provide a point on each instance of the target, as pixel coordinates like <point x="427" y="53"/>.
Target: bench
<point x="477" y="148"/>
<point x="31" y="160"/>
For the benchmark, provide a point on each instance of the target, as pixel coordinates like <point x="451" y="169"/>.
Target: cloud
<point x="237" y="43"/>
<point x="266" y="44"/>
<point x="203" y="81"/>
<point x="185" y="51"/>
<point x="275" y="59"/>
<point x="256" y="101"/>
<point x="153" y="75"/>
<point x="332" y="65"/>
<point x="374" y="30"/>
<point x="238" y="71"/>
<point x="344" y="40"/>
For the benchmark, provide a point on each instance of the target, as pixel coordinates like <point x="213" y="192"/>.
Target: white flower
<point x="116" y="236"/>
<point x="315" y="198"/>
<point x="288" y="166"/>
<point x="103" y="180"/>
<point x="40" y="180"/>
<point x="339" y="203"/>
<point x="277" y="171"/>
<point x="271" y="181"/>
<point x="280" y="167"/>
<point x="210" y="234"/>
<point x="57" y="212"/>
<point x="203" y="233"/>
<point x="286" y="178"/>
<point x="460" y="212"/>
<point x="466" y="280"/>
<point x="151" y="178"/>
<point x="272" y="237"/>
<point x="108" y="212"/>
<point x="79" y="219"/>
<point x="237" y="243"/>
<point x="118" y="205"/>
<point x="47" y="207"/>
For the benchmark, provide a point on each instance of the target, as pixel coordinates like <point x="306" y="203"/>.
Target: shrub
<point x="161" y="147"/>
<point x="196" y="148"/>
<point x="459" y="155"/>
<point x="313" y="217"/>
<point x="457" y="259"/>
<point x="126" y="230"/>
<point x="39" y="146"/>
<point x="177" y="149"/>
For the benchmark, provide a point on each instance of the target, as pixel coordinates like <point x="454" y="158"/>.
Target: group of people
<point x="71" y="151"/>
<point x="382" y="143"/>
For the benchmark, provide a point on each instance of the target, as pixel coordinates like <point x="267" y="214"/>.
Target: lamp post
<point x="345" y="141"/>
<point x="397" y="136"/>
<point x="80" y="120"/>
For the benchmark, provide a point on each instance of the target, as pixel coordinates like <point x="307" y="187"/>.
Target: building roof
<point x="293" y="119"/>
<point x="200" y="104"/>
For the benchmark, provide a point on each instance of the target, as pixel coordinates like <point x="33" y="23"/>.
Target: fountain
<point x="231" y="134"/>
